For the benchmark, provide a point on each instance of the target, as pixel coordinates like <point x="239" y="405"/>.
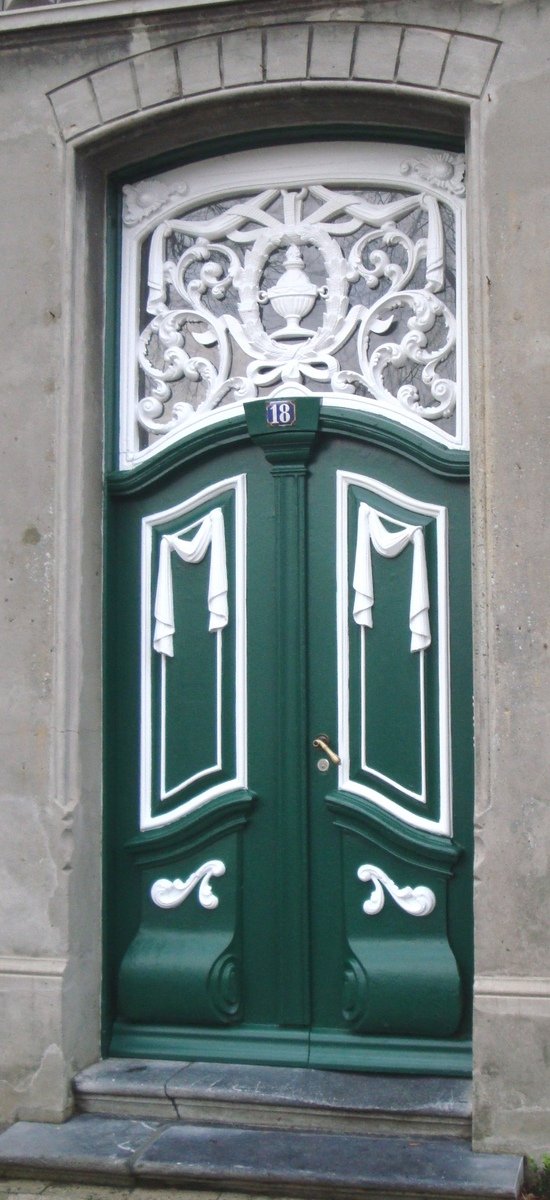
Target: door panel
<point x="193" y="563"/>
<point x="398" y="971"/>
<point x="183" y="966"/>
<point x="393" y="650"/>
<point x="267" y="910"/>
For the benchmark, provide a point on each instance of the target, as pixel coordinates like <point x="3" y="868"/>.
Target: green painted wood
<point x="268" y="1045"/>
<point x="291" y="847"/>
<point x="191" y="711"/>
<point x="184" y="964"/>
<point x="272" y="1046"/>
<point x="294" y="920"/>
<point x="224" y="813"/>
<point x="392" y="1055"/>
<point x="287" y="451"/>
<point x="393" y="672"/>
<point x="415" y="846"/>
<point x="379" y="429"/>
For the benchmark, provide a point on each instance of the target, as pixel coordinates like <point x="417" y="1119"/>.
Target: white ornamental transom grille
<point x="309" y="281"/>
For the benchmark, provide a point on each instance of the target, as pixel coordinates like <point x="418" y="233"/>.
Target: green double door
<point x="279" y="585"/>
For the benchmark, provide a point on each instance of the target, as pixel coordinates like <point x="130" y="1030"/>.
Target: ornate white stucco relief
<point x="417" y="901"/>
<point x="338" y="270"/>
<point x="166" y="893"/>
<point x="371" y="529"/>
<point x="210" y="533"/>
<point x="440" y="168"/>
<point x="140" y="200"/>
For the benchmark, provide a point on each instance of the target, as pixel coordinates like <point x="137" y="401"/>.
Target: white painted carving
<point x="334" y="273"/>
<point x="168" y="893"/>
<point x="185" y="319"/>
<point x="370" y="529"/>
<point x="368" y="781"/>
<point x="439" y="168"/>
<point x="206" y="532"/>
<point x="140" y="200"/>
<point x="211" y="533"/>
<point x="417" y="901"/>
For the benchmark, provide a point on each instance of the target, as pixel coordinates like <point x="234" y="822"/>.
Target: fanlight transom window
<point x="332" y="268"/>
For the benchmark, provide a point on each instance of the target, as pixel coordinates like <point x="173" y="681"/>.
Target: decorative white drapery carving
<point x="417" y="901"/>
<point x="337" y="287"/>
<point x="166" y="893"/>
<point x="371" y="530"/>
<point x="211" y="532"/>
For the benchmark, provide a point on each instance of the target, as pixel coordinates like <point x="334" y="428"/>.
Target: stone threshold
<point x="291" y="1098"/>
<point x="268" y="1162"/>
<point x="28" y="1189"/>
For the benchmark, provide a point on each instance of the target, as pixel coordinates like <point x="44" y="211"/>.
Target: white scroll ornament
<point x="167" y="893"/>
<point x="371" y="530"/>
<point x="417" y="901"/>
<point x="211" y="532"/>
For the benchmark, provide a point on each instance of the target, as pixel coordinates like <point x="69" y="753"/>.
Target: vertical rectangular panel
<point x="391" y="684"/>
<point x="394" y="697"/>
<point x="191" y="708"/>
<point x="193" y="673"/>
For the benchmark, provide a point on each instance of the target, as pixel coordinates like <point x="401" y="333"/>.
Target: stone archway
<point x="453" y="66"/>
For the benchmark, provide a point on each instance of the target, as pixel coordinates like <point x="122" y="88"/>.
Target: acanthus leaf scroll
<point x="418" y="901"/>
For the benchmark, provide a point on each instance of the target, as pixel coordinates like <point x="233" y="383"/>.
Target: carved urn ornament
<point x="293" y="296"/>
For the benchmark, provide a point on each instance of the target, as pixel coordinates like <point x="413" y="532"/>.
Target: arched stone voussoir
<point x="382" y="54"/>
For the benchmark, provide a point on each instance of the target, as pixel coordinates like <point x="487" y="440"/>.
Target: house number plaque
<point x="280" y="412"/>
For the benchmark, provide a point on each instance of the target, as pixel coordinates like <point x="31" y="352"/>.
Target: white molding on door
<point x="443" y="823"/>
<point x="148" y="820"/>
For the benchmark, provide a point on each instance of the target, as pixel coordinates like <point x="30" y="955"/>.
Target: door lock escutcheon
<point x="322" y="743"/>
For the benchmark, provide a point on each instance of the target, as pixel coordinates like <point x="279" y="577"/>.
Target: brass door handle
<point x="321" y="743"/>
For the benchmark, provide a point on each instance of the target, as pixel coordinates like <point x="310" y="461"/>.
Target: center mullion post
<point x="287" y="449"/>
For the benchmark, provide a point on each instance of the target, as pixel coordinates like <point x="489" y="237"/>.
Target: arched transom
<point x="332" y="268"/>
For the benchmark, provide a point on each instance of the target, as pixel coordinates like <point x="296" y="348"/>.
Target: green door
<point x="286" y="579"/>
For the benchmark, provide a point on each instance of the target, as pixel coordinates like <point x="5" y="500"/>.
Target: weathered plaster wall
<point x="31" y="833"/>
<point x="77" y="100"/>
<point x="513" y="1002"/>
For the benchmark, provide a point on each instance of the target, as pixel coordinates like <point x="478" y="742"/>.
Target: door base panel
<point x="395" y="1056"/>
<point x="287" y="1047"/>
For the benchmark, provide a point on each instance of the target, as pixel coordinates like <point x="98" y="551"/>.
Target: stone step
<point x="290" y="1098"/>
<point x="257" y="1162"/>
